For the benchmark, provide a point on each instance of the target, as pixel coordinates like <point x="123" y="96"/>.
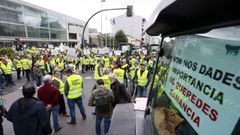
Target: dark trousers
<point x="1" y="129"/>
<point x="38" y="81"/>
<point x="62" y="109"/>
<point x="83" y="68"/>
<point x="9" y="79"/>
<point x="27" y="71"/>
<point x="18" y="73"/>
<point x="71" y="105"/>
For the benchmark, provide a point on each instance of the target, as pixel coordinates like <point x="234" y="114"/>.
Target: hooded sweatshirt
<point x="29" y="117"/>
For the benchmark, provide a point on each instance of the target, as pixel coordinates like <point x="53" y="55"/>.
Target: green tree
<point x="120" y="37"/>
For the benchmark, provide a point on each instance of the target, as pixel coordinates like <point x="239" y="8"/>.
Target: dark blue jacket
<point x="29" y="117"/>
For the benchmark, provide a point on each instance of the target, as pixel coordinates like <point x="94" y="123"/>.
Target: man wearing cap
<point x="142" y="77"/>
<point x="73" y="91"/>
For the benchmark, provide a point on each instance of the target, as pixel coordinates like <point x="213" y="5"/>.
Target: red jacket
<point x="48" y="94"/>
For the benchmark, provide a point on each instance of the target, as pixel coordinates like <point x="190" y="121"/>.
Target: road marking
<point x="88" y="77"/>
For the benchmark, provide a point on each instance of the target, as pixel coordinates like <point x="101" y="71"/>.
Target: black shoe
<point x="93" y="113"/>
<point x="71" y="123"/>
<point x="84" y="118"/>
<point x="58" y="129"/>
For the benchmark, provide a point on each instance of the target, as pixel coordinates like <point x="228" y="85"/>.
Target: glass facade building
<point x="33" y="24"/>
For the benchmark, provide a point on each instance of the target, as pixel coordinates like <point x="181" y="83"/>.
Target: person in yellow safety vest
<point x="52" y="62"/>
<point x="114" y="58"/>
<point x="143" y="78"/>
<point x="106" y="62"/>
<point x="40" y="62"/>
<point x="86" y="63"/>
<point x="59" y="84"/>
<point x="162" y="82"/>
<point x="91" y="63"/>
<point x="18" y="67"/>
<point x="126" y="70"/>
<point x="132" y="75"/>
<point x="120" y="74"/>
<point x="60" y="65"/>
<point x="48" y="68"/>
<point x="105" y="78"/>
<point x="98" y="70"/>
<point x="132" y="61"/>
<point x="73" y="91"/>
<point x="150" y="65"/>
<point x="7" y="70"/>
<point x="26" y="65"/>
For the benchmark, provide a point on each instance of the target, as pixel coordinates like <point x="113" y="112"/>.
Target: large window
<point x="34" y="17"/>
<point x="57" y="21"/>
<point x="12" y="30"/>
<point x="57" y="34"/>
<point x="37" y="32"/>
<point x="10" y="15"/>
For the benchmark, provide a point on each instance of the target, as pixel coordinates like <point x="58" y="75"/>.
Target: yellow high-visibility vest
<point x="52" y="61"/>
<point x="41" y="64"/>
<point x="124" y="66"/>
<point x="86" y="61"/>
<point x="132" y="72"/>
<point x="75" y="86"/>
<point x="150" y="63"/>
<point x="107" y="62"/>
<point x="106" y="81"/>
<point x="18" y="64"/>
<point x="119" y="74"/>
<point x="61" y="87"/>
<point x="142" y="80"/>
<point x="7" y="69"/>
<point x="25" y="64"/>
<point x="60" y="65"/>
<point x="96" y="74"/>
<point x="48" y="68"/>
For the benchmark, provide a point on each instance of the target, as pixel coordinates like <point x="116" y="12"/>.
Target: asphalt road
<point x="86" y="127"/>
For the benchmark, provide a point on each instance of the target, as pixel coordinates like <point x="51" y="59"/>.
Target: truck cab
<point x="195" y="90"/>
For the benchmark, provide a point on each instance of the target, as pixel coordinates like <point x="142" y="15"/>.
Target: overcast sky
<point x="83" y="9"/>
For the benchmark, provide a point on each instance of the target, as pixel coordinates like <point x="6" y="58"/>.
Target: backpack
<point x="102" y="103"/>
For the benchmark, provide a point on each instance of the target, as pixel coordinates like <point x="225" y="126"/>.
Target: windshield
<point x="197" y="83"/>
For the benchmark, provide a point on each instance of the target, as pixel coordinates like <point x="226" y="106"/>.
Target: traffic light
<point x="129" y="11"/>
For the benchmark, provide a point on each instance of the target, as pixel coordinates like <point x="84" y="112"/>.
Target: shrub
<point x="9" y="52"/>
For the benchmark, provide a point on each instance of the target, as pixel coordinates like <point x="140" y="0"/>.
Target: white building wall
<point x="131" y="26"/>
<point x="77" y="27"/>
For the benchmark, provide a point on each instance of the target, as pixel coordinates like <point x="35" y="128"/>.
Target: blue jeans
<point x="9" y="79"/>
<point x="38" y="81"/>
<point x="107" y="122"/>
<point x="133" y="87"/>
<point x="54" y="111"/>
<point x="71" y="105"/>
<point x="1" y="81"/>
<point x="142" y="91"/>
<point x="126" y="82"/>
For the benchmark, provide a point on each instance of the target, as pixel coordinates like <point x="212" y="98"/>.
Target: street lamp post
<point x="129" y="14"/>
